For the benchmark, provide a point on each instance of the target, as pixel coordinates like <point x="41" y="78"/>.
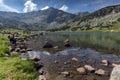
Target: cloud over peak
<point x="29" y="6"/>
<point x="64" y="8"/>
<point x="44" y="8"/>
<point x="5" y="7"/>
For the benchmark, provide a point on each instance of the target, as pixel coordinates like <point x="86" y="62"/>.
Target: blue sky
<point x="72" y="6"/>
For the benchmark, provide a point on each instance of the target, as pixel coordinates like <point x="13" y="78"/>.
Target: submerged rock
<point x="115" y="74"/>
<point x="81" y="70"/>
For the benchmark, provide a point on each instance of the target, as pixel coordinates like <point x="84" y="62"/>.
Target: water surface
<point x="88" y="47"/>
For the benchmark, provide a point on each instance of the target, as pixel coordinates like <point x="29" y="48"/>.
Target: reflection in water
<point x="102" y="42"/>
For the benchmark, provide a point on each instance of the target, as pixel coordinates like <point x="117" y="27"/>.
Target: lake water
<point x="88" y="47"/>
<point x="108" y="43"/>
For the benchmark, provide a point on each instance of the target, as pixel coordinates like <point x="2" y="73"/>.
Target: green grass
<point x="4" y="44"/>
<point x="13" y="68"/>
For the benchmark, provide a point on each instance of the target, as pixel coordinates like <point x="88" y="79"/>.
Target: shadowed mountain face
<point x="103" y="17"/>
<point x="38" y="20"/>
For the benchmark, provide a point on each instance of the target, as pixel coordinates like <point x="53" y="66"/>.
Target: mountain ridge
<point x="39" y="20"/>
<point x="56" y="19"/>
<point x="103" y="17"/>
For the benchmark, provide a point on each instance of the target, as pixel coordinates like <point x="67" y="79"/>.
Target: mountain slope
<point x="98" y="19"/>
<point x="39" y="20"/>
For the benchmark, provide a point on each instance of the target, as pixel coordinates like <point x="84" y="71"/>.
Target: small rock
<point x="41" y="72"/>
<point x="23" y="47"/>
<point x="67" y="43"/>
<point x="67" y="62"/>
<point x="17" y="49"/>
<point x="42" y="77"/>
<point x="105" y="62"/>
<point x="29" y="49"/>
<point x="65" y="73"/>
<point x="23" y="51"/>
<point x="75" y="59"/>
<point x="56" y="47"/>
<point x="100" y="72"/>
<point x="36" y="58"/>
<point x="115" y="74"/>
<point x="56" y="62"/>
<point x="81" y="70"/>
<point x="89" y="68"/>
<point x="7" y="55"/>
<point x="23" y="59"/>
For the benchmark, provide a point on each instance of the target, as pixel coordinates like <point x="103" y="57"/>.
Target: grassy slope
<point x="115" y="27"/>
<point x="4" y="44"/>
<point x="13" y="68"/>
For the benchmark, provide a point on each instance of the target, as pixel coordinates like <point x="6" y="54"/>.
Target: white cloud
<point x="29" y="6"/>
<point x="64" y="8"/>
<point x="46" y="7"/>
<point x="4" y="7"/>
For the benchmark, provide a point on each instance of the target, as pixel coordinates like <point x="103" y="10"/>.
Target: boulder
<point x="81" y="70"/>
<point x="105" y="62"/>
<point x="48" y="45"/>
<point x="115" y="74"/>
<point x="89" y="68"/>
<point x="100" y="72"/>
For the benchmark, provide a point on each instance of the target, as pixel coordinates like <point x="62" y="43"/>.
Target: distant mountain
<point x="81" y="14"/>
<point x="102" y="18"/>
<point x="37" y="20"/>
<point x="56" y="19"/>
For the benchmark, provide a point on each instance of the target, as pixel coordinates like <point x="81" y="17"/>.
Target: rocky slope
<point x="98" y="19"/>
